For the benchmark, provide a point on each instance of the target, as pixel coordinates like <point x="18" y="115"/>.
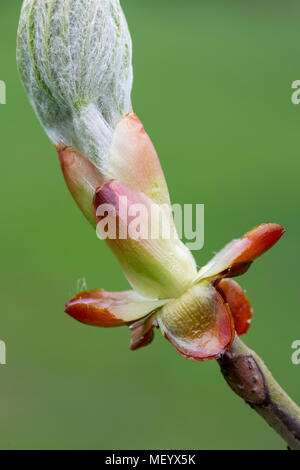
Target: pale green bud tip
<point x="75" y="62"/>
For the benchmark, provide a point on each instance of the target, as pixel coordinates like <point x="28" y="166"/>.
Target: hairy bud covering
<point x="74" y="58"/>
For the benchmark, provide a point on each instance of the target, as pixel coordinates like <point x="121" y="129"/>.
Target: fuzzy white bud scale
<point x="74" y="58"/>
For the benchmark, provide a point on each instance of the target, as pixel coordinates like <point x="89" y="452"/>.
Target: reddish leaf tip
<point x="262" y="238"/>
<point x="86" y="308"/>
<point x="239" y="304"/>
<point x="142" y="332"/>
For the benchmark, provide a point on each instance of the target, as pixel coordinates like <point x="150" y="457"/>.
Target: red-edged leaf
<point x="101" y="308"/>
<point x="142" y="332"/>
<point x="134" y="161"/>
<point x="239" y="304"/>
<point x="82" y="178"/>
<point x="198" y="324"/>
<point x="238" y="255"/>
<point x="156" y="263"/>
<point x="261" y="239"/>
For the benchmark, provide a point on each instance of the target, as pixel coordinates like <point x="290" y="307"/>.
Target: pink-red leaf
<point x="238" y="255"/>
<point x="239" y="304"/>
<point x="102" y="308"/>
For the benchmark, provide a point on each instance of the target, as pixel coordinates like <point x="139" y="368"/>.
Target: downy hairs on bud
<point x="75" y="61"/>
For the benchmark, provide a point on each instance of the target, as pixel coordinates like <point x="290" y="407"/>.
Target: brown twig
<point x="250" y="379"/>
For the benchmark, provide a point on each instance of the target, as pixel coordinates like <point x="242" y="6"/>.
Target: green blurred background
<point x="212" y="87"/>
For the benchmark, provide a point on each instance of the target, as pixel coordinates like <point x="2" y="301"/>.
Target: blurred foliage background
<point x="213" y="89"/>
